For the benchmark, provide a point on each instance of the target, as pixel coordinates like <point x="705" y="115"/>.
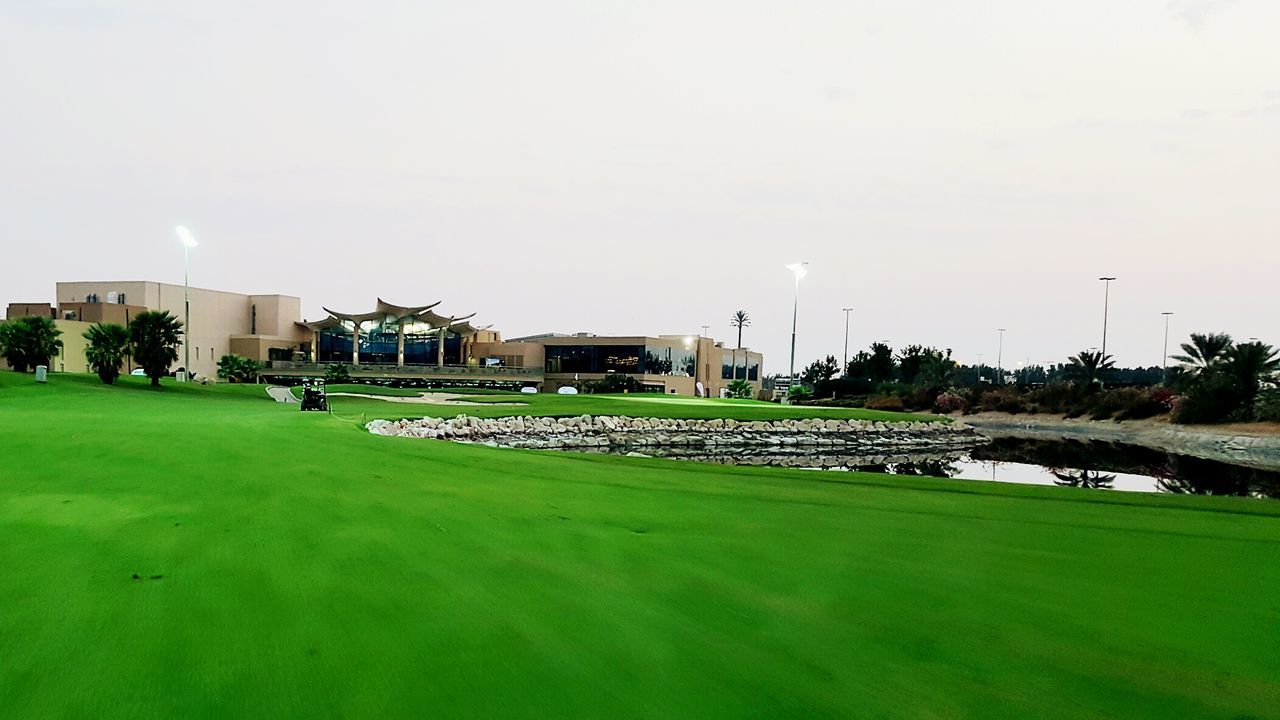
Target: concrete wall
<point x="72" y="358"/>
<point x="513" y="354"/>
<point x="18" y="310"/>
<point x="100" y="312"/>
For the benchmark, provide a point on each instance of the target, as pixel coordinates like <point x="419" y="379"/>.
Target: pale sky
<point x="947" y="168"/>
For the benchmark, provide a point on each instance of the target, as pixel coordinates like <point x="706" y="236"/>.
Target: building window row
<point x="630" y="359"/>
<point x="746" y="367"/>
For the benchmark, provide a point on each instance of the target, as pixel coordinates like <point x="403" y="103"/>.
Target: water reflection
<point x="1067" y="463"/>
<point x="1092" y="479"/>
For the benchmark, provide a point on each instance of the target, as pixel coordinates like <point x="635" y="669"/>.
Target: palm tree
<point x="1088" y="367"/>
<point x="108" y="347"/>
<point x="30" y="341"/>
<point x="1203" y="351"/>
<point x="1251" y="365"/>
<point x="154" y="338"/>
<point x="13" y="345"/>
<point x="739" y="320"/>
<point x="237" y="368"/>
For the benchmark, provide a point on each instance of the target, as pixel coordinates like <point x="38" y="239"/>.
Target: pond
<point x="1070" y="463"/>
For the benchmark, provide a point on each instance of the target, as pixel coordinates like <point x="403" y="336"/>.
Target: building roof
<point x="402" y="311"/>
<point x="388" y="311"/>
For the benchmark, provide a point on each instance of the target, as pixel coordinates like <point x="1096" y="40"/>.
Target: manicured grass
<point x="310" y="569"/>
<point x="626" y="405"/>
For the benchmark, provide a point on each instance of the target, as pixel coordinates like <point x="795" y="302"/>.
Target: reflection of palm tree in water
<point x="927" y="468"/>
<point x="1092" y="479"/>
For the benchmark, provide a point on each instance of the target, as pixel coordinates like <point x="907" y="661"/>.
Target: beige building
<point x="221" y="322"/>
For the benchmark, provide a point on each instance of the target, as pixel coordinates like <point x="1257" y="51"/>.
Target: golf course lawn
<point x="291" y="565"/>
<point x="638" y="405"/>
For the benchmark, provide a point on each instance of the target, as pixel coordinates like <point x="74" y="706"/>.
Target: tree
<point x="910" y="360"/>
<point x="820" y="370"/>
<point x="880" y="366"/>
<point x="1203" y="351"/>
<point x="337" y="373"/>
<point x="1087" y="367"/>
<point x="936" y="371"/>
<point x="739" y="320"/>
<point x="30" y="341"/>
<point x="108" y="347"/>
<point x="154" y="337"/>
<point x="237" y="368"/>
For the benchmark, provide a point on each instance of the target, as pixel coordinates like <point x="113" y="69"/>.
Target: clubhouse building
<point x="424" y="345"/>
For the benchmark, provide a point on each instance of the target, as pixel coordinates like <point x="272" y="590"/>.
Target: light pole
<point x="799" y="269"/>
<point x="704" y="330"/>
<point x="188" y="242"/>
<point x="978" y="383"/>
<point x="1106" y="307"/>
<point x="1164" y="372"/>
<point x="1000" y="358"/>
<point x="846" y="341"/>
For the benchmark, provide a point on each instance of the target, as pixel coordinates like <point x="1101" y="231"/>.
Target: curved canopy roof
<point x="402" y="311"/>
<point x="349" y="317"/>
<point x="387" y="311"/>
<point x="466" y="329"/>
<point x="439" y="321"/>
<point x="318" y="325"/>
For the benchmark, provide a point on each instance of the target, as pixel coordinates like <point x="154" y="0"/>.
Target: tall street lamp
<point x="846" y="341"/>
<point x="1000" y="358"/>
<point x="799" y="269"/>
<point x="1106" y="307"/>
<point x="1164" y="374"/>
<point x="188" y="242"/>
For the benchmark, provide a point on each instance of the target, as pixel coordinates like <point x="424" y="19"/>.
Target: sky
<point x="946" y="168"/>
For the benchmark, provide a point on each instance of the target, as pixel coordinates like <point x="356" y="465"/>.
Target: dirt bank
<point x="1252" y="445"/>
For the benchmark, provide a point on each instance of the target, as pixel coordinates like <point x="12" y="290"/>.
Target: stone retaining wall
<point x="603" y="431"/>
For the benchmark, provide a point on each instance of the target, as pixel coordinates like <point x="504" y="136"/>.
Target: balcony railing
<point x="387" y="369"/>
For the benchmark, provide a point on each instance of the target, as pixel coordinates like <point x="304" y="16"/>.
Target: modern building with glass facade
<point x="671" y="364"/>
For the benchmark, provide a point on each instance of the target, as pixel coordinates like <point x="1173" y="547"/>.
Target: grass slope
<point x="312" y="570"/>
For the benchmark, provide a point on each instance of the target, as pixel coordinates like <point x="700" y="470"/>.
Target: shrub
<point x="614" y="383"/>
<point x="337" y="373"/>
<point x="1211" y="397"/>
<point x="237" y="368"/>
<point x="885" y="402"/>
<point x="949" y="402"/>
<point x="741" y="389"/>
<point x="1267" y="407"/>
<point x="1145" y="403"/>
<point x="799" y="393"/>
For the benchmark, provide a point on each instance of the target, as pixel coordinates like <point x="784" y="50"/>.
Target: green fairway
<point x="291" y="565"/>
<point x="639" y="405"/>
